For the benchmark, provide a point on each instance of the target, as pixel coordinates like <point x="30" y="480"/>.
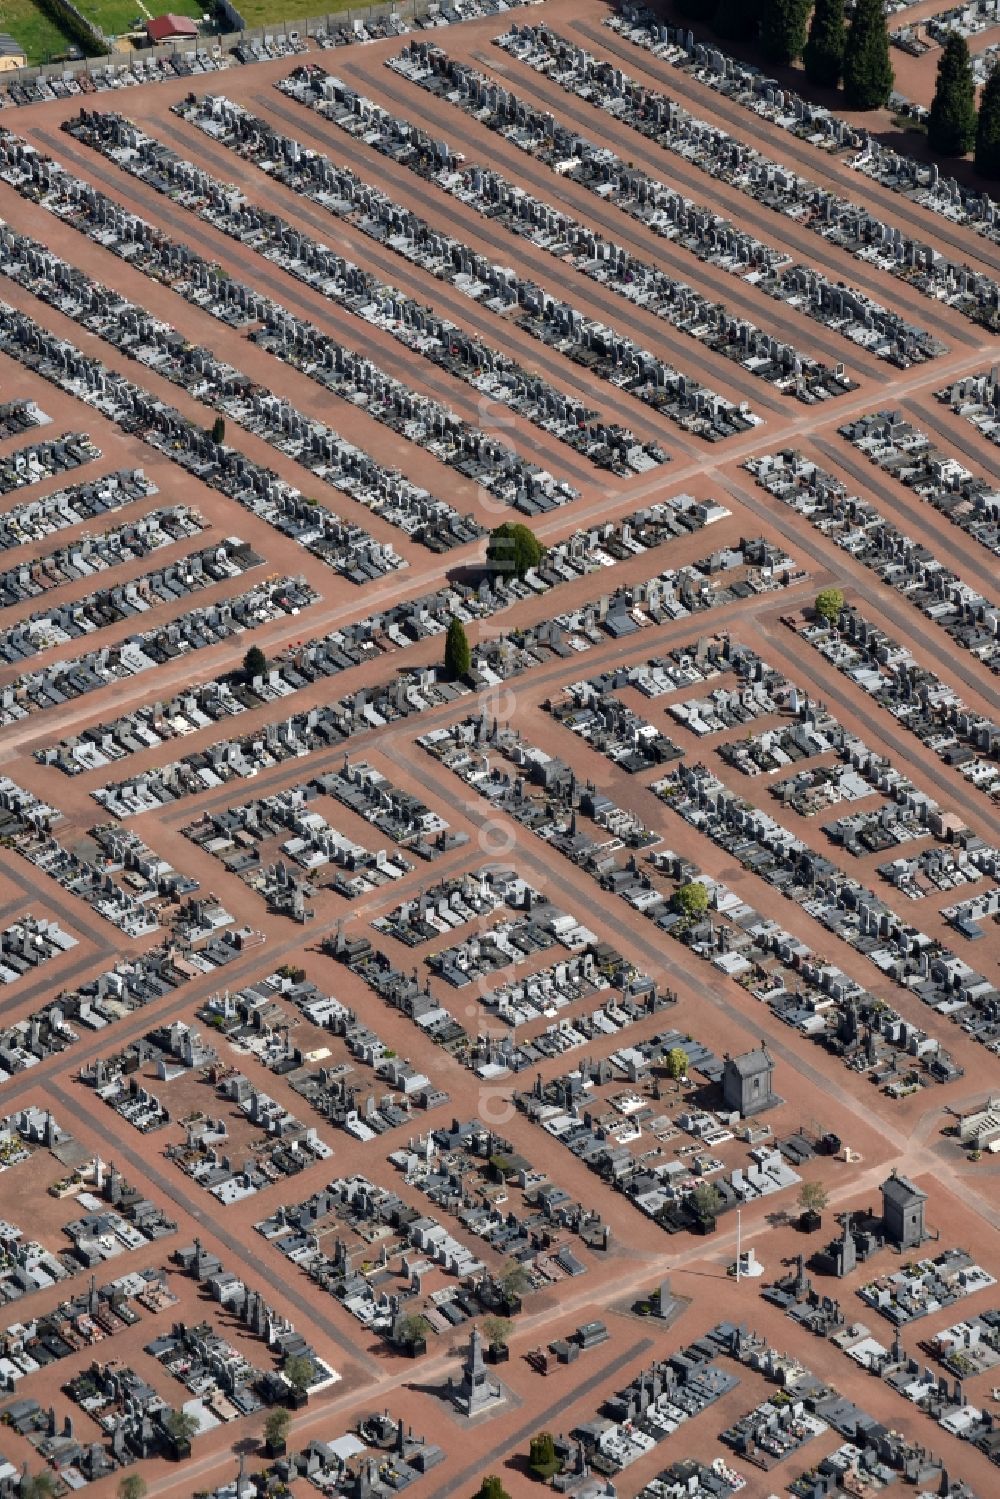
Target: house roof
<point x="161" y="28"/>
<point x="9" y="47"/>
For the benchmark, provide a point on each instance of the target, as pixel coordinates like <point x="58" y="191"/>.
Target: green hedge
<point x="88" y="36"/>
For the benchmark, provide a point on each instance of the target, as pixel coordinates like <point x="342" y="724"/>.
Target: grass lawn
<point x="270" y="12"/>
<point x="28" y="24"/>
<point x="42" y="38"/>
<point x="117" y="16"/>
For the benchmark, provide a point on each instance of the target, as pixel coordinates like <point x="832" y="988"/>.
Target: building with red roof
<point x="169" y="28"/>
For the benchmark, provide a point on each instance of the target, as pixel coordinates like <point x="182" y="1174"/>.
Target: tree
<point x="300" y="1372"/>
<point x="513" y="548"/>
<point x="951" y="124"/>
<point x="219" y="429"/>
<point x="676" y="1063"/>
<point x="813" y="1197"/>
<point x="737" y="20"/>
<point x="497" y="1330"/>
<point x="132" y="1486"/>
<point x="542" y="1458"/>
<point x="515" y="1279"/>
<point x="542" y="1449"/>
<point x="491" y="1488"/>
<point x="705" y="1200"/>
<point x="457" y="653"/>
<point x="690" y="899"/>
<point x="40" y="1486"/>
<point x="254" y="663"/>
<point x="783" y="29"/>
<point x="868" y="74"/>
<point x="412" y="1329"/>
<point x="829" y="602"/>
<point x="823" y="53"/>
<point x="181" y="1425"/>
<point x="988" y="128"/>
<point x="276" y="1426"/>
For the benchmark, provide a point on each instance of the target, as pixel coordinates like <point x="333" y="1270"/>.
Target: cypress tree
<point x="736" y="20"/>
<point x="824" y="51"/>
<point x="698" y="10"/>
<point x="868" y="74"/>
<point x="457" y="652"/>
<point x="491" y="1488"/>
<point x="783" y="29"/>
<point x="988" y="129"/>
<point x="951" y="125"/>
<point x="254" y="663"/>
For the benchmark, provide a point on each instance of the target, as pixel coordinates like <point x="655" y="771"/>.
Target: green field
<point x="117" y="16"/>
<point x="270" y="12"/>
<point x="43" y="39"/>
<point x="28" y="24"/>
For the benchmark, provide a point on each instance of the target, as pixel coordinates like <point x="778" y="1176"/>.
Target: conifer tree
<point x="491" y="1488"/>
<point x="868" y="74"/>
<point x="824" y="51"/>
<point x="736" y="20"/>
<point x="951" y="125"/>
<point x="698" y="10"/>
<point x="783" y="29"/>
<point x="457" y="652"/>
<point x="254" y="663"/>
<point x="988" y="128"/>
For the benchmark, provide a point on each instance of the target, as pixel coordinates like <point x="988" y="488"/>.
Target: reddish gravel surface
<point x="817" y="1091"/>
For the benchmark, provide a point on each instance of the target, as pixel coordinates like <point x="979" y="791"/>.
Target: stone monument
<point x="477" y="1391"/>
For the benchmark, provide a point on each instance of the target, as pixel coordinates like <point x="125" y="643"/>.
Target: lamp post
<point x="739" y="1242"/>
